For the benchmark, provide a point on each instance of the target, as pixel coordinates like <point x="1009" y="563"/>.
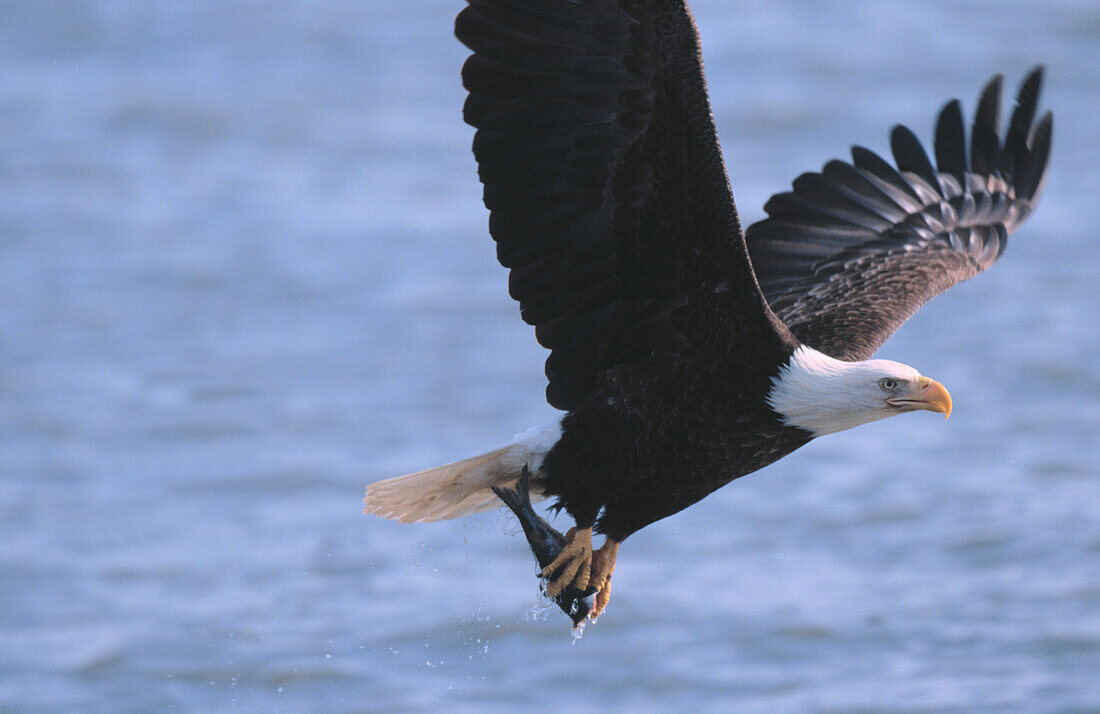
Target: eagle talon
<point x="573" y="564"/>
<point x="603" y="565"/>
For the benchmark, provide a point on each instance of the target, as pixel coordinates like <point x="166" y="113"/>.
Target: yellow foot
<point x="603" y="565"/>
<point x="574" y="561"/>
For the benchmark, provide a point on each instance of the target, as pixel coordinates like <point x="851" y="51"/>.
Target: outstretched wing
<point x="847" y="256"/>
<point x="608" y="196"/>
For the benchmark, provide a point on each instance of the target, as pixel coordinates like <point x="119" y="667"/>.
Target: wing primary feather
<point x="1015" y="149"/>
<point x="985" y="139"/>
<point x="950" y="142"/>
<point x="1031" y="183"/>
<point x="910" y="155"/>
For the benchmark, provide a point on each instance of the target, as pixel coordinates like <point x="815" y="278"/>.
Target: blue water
<point x="244" y="271"/>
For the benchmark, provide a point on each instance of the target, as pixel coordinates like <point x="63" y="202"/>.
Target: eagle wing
<point x="852" y="252"/>
<point x="608" y="197"/>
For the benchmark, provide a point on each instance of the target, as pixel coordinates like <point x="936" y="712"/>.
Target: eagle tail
<point x="461" y="488"/>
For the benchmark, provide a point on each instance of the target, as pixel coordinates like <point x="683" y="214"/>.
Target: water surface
<point x="245" y="271"/>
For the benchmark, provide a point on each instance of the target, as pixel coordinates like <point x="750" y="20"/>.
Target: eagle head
<point x="822" y="395"/>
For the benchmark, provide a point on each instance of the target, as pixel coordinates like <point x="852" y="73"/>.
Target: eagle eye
<point x="888" y="385"/>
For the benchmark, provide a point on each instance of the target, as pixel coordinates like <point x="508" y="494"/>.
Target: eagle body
<point x="654" y="439"/>
<point x="686" y="352"/>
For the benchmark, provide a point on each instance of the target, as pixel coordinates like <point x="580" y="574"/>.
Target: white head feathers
<point x="824" y="395"/>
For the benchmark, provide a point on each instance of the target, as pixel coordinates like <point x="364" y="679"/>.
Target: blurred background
<point x="245" y="270"/>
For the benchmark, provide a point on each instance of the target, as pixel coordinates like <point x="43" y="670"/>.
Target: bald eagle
<point x="684" y="352"/>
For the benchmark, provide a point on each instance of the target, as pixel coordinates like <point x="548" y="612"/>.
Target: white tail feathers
<point x="461" y="488"/>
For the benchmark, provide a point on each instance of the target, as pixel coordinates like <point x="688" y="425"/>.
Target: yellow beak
<point x="929" y="394"/>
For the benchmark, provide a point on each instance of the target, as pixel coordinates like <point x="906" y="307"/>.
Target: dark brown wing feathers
<point x="608" y="196"/>
<point x="610" y="205"/>
<point x="851" y="252"/>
